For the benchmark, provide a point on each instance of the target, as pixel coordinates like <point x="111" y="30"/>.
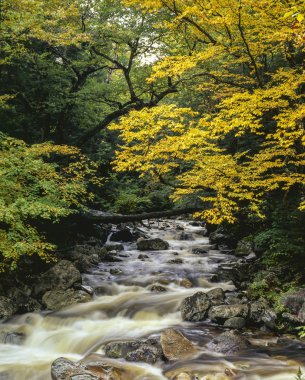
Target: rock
<point x="143" y="257"/>
<point x="269" y="318"/>
<point x="59" y="299"/>
<point x="23" y="302"/>
<point x="301" y="314"/>
<point x="220" y="237"/>
<point x="115" y="271"/>
<point x="199" y="251"/>
<point x="64" y="369"/>
<point x="114" y="247"/>
<point x="7" y="308"/>
<point x="175" y="345"/>
<point x="123" y="235"/>
<point x="223" y="312"/>
<point x="185" y="283"/>
<point x="195" y="223"/>
<point x="183" y="376"/>
<point x="235" y="323"/>
<point x="229" y="342"/>
<point x="294" y="301"/>
<point x="148" y="351"/>
<point x="157" y="288"/>
<point x="244" y="247"/>
<point x="291" y="318"/>
<point x="108" y="256"/>
<point x="62" y="276"/>
<point x="156" y="244"/>
<point x="175" y="261"/>
<point x="185" y="236"/>
<point x="257" y="309"/>
<point x="195" y="307"/>
<point x="10" y="335"/>
<point x="216" y="294"/>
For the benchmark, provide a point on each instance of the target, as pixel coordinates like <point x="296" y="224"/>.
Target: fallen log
<point x="95" y="216"/>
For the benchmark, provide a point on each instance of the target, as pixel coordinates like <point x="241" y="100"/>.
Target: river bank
<point x="135" y="295"/>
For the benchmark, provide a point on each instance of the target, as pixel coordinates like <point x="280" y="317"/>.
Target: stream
<point x="127" y="309"/>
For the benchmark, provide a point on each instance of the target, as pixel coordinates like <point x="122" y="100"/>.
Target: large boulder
<point x="244" y="247"/>
<point x="176" y="346"/>
<point x="64" y="369"/>
<point x="124" y="235"/>
<point x="156" y="244"/>
<point x="58" y="299"/>
<point x="148" y="351"/>
<point x="62" y="276"/>
<point x="221" y="313"/>
<point x="229" y="342"/>
<point x="236" y="323"/>
<point x="7" y="307"/>
<point x="294" y="301"/>
<point x="195" y="307"/>
<point x="23" y="302"/>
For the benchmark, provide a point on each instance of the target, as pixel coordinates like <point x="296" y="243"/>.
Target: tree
<point x="248" y="140"/>
<point x="37" y="183"/>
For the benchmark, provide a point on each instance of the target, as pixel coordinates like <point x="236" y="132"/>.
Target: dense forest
<point x="139" y="106"/>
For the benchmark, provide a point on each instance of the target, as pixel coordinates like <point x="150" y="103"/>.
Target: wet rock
<point x="148" y="351"/>
<point x="257" y="310"/>
<point x="7" y="307"/>
<point x="156" y="244"/>
<point x="64" y="369"/>
<point x="294" y="301"/>
<point x="244" y="247"/>
<point x="59" y="299"/>
<point x="291" y="318"/>
<point x="157" y="288"/>
<point x="23" y="302"/>
<point x="195" y="223"/>
<point x="115" y="271"/>
<point x="185" y="283"/>
<point x="199" y="251"/>
<point x="143" y="257"/>
<point x="301" y="314"/>
<point x="195" y="307"/>
<point x="62" y="276"/>
<point x="185" y="236"/>
<point x="229" y="342"/>
<point x="108" y="256"/>
<point x="114" y="247"/>
<point x="269" y="318"/>
<point x="235" y="323"/>
<point x="175" y="345"/>
<point x="175" y="261"/>
<point x="123" y="235"/>
<point x="183" y="376"/>
<point x="10" y="335"/>
<point x="223" y="312"/>
<point x="220" y="237"/>
<point x="216" y="294"/>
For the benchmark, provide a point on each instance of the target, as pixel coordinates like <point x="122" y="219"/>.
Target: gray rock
<point x="114" y="247"/>
<point x="62" y="276"/>
<point x="157" y="288"/>
<point x="269" y="318"/>
<point x="123" y="235"/>
<point x="59" y="299"/>
<point x="294" y="301"/>
<point x="64" y="369"/>
<point x="216" y="294"/>
<point x="301" y="314"/>
<point x="244" y="247"/>
<point x="195" y="307"/>
<point x="229" y="342"/>
<point x="257" y="309"/>
<point x="175" y="261"/>
<point x="235" y="323"/>
<point x="143" y="257"/>
<point x="156" y="244"/>
<point x="176" y="346"/>
<point x="148" y="351"/>
<point x="199" y="251"/>
<point x="221" y="313"/>
<point x="23" y="302"/>
<point x="7" y="308"/>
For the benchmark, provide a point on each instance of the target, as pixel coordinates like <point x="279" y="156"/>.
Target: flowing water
<point x="128" y="309"/>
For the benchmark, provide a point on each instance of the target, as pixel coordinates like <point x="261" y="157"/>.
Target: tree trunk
<point x="99" y="217"/>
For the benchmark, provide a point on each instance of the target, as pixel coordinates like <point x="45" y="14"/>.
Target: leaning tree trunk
<point x="99" y="217"/>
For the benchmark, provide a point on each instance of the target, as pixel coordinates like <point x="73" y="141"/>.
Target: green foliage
<point x="299" y="375"/>
<point x="39" y="182"/>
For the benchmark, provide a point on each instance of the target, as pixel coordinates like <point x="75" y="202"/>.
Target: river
<point x="128" y="309"/>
